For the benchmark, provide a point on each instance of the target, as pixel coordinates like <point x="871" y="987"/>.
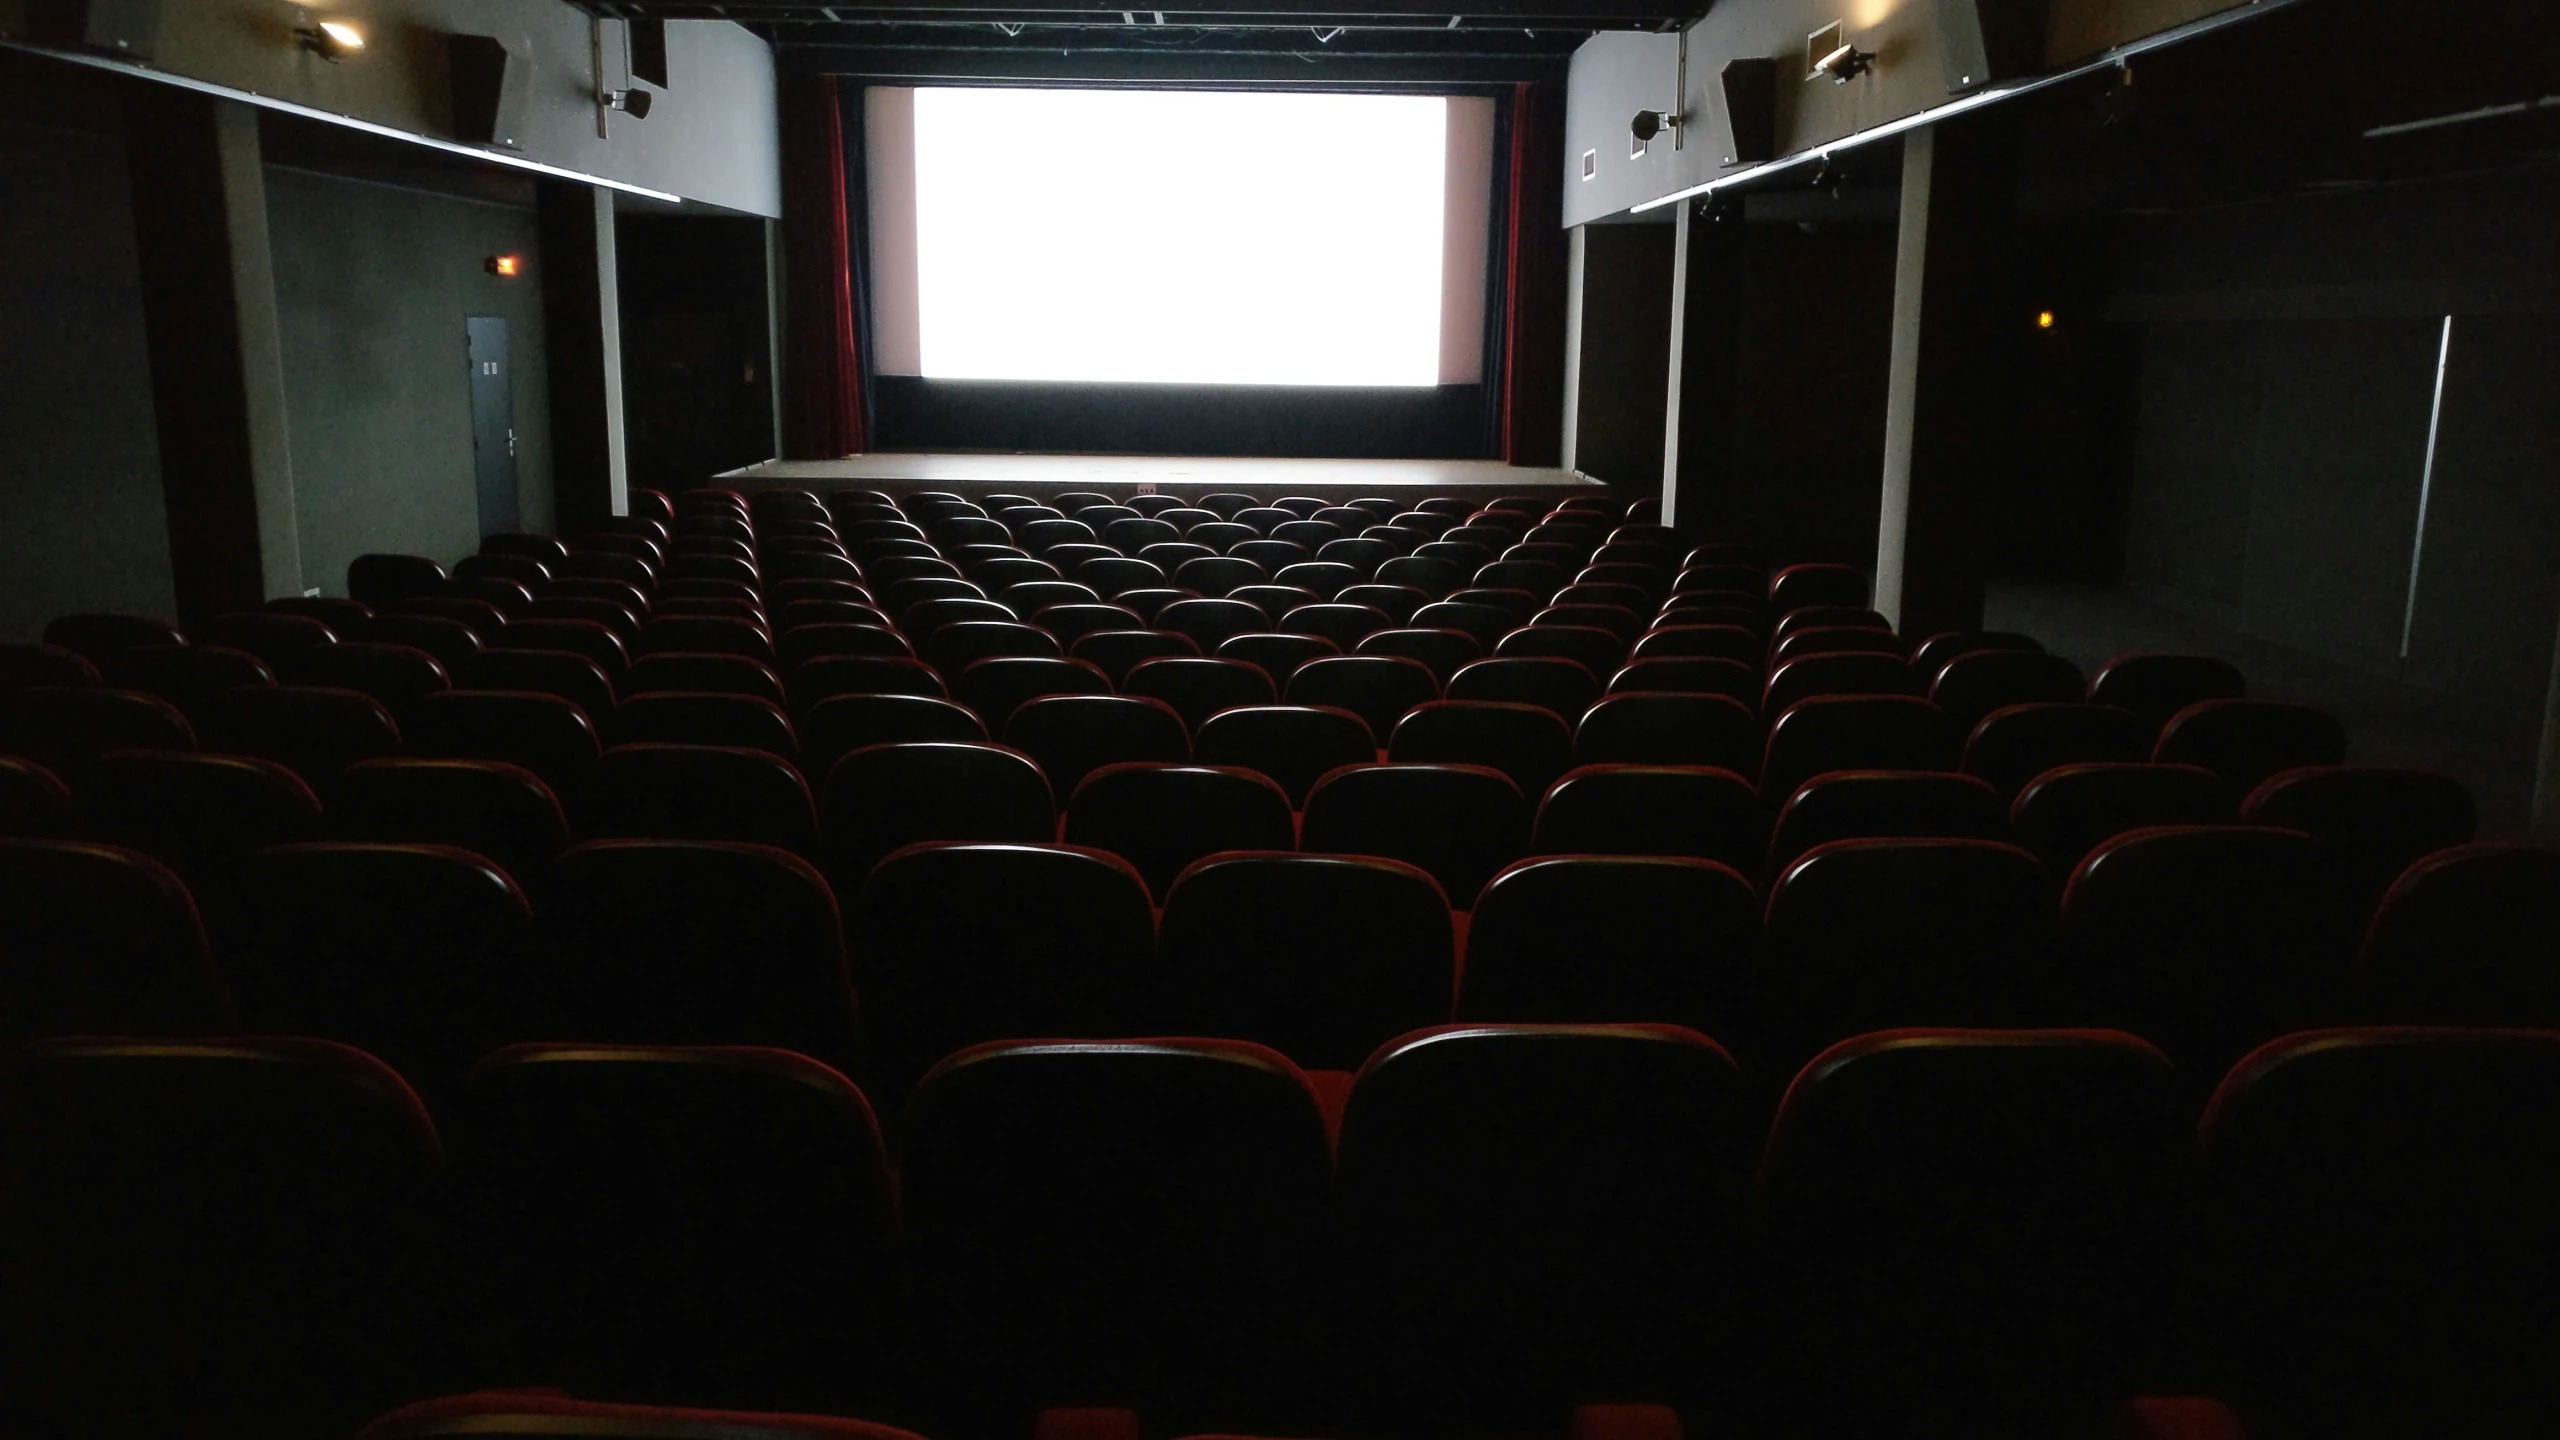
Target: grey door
<point x="493" y="423"/>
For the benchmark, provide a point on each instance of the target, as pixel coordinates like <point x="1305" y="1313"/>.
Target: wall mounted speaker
<point x="1751" y="110"/>
<point x="120" y="27"/>
<point x="1984" y="42"/>
<point x="492" y="90"/>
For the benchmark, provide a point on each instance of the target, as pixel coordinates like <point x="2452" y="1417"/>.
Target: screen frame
<point x="1445" y="421"/>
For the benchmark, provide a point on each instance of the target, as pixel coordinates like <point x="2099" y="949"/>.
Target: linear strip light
<point x="269" y="102"/>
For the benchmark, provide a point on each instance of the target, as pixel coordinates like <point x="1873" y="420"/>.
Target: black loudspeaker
<point x="1984" y="42"/>
<point x="1751" y="109"/>
<point x="649" y="51"/>
<point x="119" y="27"/>
<point x="491" y="90"/>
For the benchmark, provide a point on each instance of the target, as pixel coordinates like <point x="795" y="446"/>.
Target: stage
<point x="1189" y="476"/>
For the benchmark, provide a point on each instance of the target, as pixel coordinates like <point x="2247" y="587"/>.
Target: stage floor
<point x="964" y="473"/>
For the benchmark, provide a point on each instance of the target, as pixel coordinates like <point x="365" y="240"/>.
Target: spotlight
<point x="506" y="267"/>
<point x="331" y="40"/>
<point x="2044" y="319"/>
<point x="633" y="102"/>
<point x="1650" y="123"/>
<point x="1844" y="64"/>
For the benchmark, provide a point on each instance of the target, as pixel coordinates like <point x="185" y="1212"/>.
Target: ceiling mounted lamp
<point x="1829" y="55"/>
<point x="331" y="40"/>
<point x="633" y="102"/>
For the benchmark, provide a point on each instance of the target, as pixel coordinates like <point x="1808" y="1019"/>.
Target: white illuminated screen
<point x="1179" y="236"/>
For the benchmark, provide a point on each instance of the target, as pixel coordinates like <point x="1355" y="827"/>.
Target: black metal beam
<point x="1603" y="15"/>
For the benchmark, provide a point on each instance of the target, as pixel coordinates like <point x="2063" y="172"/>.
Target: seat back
<point x="2378" y="1232"/>
<point x="1162" y="817"/>
<point x="1198" y="688"/>
<point x="1530" y="743"/>
<point x="2466" y="936"/>
<point x="102" y="941"/>
<point x="958" y="944"/>
<point x="63" y="728"/>
<point x="232" y="1237"/>
<point x="694" y="792"/>
<point x="1295" y="745"/>
<point x="711" y="1223"/>
<point x="1534" y="1215"/>
<point x="690" y="942"/>
<point x="499" y="811"/>
<point x="543" y="733"/>
<point x="2373" y="822"/>
<point x="1600" y="940"/>
<point x="1321" y="957"/>
<point x="1853" y="732"/>
<point x="313" y="730"/>
<point x="1135" y="1224"/>
<point x="881" y="797"/>
<point x="1867" y="804"/>
<point x="1693" y="810"/>
<point x="2157" y="687"/>
<point x="2044" y="1167"/>
<point x="2013" y="745"/>
<point x="1457" y="823"/>
<point x="2070" y="810"/>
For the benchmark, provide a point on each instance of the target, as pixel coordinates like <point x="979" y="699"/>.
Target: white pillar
<point x="1902" y="393"/>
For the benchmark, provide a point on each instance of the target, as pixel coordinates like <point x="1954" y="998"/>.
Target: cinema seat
<point x="2247" y="742"/>
<point x="952" y="648"/>
<point x="500" y="811"/>
<point x="1536" y="1216"/>
<point x="1874" y="934"/>
<point x="1853" y="732"/>
<point x="1135" y="1224"/>
<point x="1685" y="675"/>
<point x="573" y="678"/>
<point x="1457" y="823"/>
<point x="620" y="619"/>
<point x="1161" y="818"/>
<point x="699" y="672"/>
<point x="102" y="639"/>
<point x="276" y="1206"/>
<point x="1563" y="688"/>
<point x="543" y="733"/>
<point x="2015" y="744"/>
<point x="688" y="942"/>
<point x="1278" y="654"/>
<point x="1118" y="651"/>
<point x="705" y="1225"/>
<point x="579" y="637"/>
<point x="2070" y="810"/>
<point x="450" y="641"/>
<point x="995" y="687"/>
<point x="2378" y="1224"/>
<point x="415" y="954"/>
<point x="396" y="675"/>
<point x="1696" y="811"/>
<point x="650" y="791"/>
<point x="1873" y="804"/>
<point x="1800" y="585"/>
<point x="2372" y="822"/>
<point x="1834" y="640"/>
<point x="1845" y="673"/>
<point x="203" y="816"/>
<point x="1030" y="597"/>
<point x="1816" y="617"/>
<point x="2466" y="936"/>
<point x="1669" y="729"/>
<point x="828" y="676"/>
<point x="2156" y="687"/>
<point x="1532" y="744"/>
<point x="2206" y="940"/>
<point x="681" y="718"/>
<point x="881" y="797"/>
<point x="47" y="665"/>
<point x="313" y="730"/>
<point x="1295" y="745"/>
<point x="963" y="943"/>
<point x="1577" y="939"/>
<point x="102" y="940"/>
<point x="1598" y="651"/>
<point x="1485" y="623"/>
<point x="1197" y="688"/>
<point x="1970" y="687"/>
<point x="1379" y="689"/>
<point x="1071" y="736"/>
<point x="1444" y="651"/>
<point x="1323" y="958"/>
<point x="2046" y="1168"/>
<point x="383" y="581"/>
<point x="1931" y="655"/>
<point x="34" y="803"/>
<point x="65" y="727"/>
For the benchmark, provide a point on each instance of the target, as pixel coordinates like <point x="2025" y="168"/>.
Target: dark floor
<point x="2388" y="722"/>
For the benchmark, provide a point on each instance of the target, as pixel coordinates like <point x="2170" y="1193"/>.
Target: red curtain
<point x="1533" y="286"/>
<point x="822" y="409"/>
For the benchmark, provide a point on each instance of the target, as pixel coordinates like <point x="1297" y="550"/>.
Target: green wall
<point x="373" y="285"/>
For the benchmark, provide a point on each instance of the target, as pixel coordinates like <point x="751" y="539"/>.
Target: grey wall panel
<point x="82" y="525"/>
<point x="2195" y="442"/>
<point x="377" y="382"/>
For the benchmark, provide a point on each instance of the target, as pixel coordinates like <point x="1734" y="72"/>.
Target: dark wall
<point x="1799" y="467"/>
<point x="82" y="524"/>
<point x="697" y="383"/>
<point x="1625" y="354"/>
<point x="373" y="285"/>
<point x="1446" y="422"/>
<point x="2285" y="360"/>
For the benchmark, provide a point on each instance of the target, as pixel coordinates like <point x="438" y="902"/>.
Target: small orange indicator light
<point x="2044" y="319"/>
<point x="506" y="267"/>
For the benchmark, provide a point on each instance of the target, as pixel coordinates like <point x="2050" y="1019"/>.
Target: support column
<point x="1575" y="251"/>
<point x="1679" y="337"/>
<point x="1700" y="469"/>
<point x="217" y="350"/>
<point x="582" y="323"/>
<point x="2546" y="771"/>
<point x="1954" y="355"/>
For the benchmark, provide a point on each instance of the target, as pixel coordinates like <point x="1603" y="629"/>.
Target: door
<point x="493" y="423"/>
